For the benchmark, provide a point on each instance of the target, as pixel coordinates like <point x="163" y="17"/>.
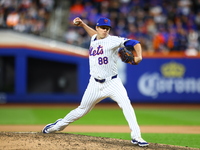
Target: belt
<point x="103" y="80"/>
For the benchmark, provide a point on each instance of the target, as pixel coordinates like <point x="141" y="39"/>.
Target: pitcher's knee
<point x="81" y="111"/>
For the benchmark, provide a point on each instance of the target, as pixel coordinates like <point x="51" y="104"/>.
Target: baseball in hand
<point x="75" y="22"/>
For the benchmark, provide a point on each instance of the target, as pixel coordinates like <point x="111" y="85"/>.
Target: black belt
<point x="103" y="80"/>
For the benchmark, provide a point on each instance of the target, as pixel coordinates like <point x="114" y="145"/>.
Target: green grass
<point x="30" y="115"/>
<point x="99" y="116"/>
<point x="186" y="140"/>
<point x="108" y="116"/>
<point x="168" y="117"/>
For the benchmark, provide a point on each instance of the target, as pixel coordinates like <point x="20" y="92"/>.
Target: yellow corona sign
<point x="173" y="69"/>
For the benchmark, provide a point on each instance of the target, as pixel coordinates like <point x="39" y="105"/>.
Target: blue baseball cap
<point x="103" y="22"/>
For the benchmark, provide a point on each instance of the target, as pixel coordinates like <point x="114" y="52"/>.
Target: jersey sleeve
<point x="119" y="40"/>
<point x="125" y="42"/>
<point x="93" y="37"/>
<point x="130" y="44"/>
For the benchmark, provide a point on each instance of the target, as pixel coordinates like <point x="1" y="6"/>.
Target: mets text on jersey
<point x="94" y="52"/>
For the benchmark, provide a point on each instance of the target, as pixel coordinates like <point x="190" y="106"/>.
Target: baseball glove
<point x="126" y="56"/>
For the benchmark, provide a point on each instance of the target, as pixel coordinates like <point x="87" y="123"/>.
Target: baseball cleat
<point x="48" y="128"/>
<point x="140" y="142"/>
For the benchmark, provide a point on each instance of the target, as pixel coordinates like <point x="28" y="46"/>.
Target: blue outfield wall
<point x="154" y="80"/>
<point x="21" y="95"/>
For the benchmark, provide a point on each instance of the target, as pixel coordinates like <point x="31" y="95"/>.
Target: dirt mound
<point x="66" y="141"/>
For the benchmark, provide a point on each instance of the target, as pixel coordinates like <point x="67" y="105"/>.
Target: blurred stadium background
<point x="43" y="57"/>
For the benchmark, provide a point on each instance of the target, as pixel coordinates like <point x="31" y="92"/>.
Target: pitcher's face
<point x="102" y="31"/>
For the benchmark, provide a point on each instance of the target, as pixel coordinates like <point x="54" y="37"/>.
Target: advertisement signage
<point x="165" y="80"/>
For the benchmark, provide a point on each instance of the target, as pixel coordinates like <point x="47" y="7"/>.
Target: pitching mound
<point x="66" y="141"/>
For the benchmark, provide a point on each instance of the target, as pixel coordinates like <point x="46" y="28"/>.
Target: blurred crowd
<point x="28" y="16"/>
<point x="160" y="25"/>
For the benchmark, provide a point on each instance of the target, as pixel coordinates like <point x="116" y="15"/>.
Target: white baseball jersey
<point x="103" y="56"/>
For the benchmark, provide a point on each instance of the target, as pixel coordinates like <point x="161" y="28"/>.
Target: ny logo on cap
<point x="105" y="20"/>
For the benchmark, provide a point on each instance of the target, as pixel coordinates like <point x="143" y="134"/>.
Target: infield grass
<point x="100" y="116"/>
<point x="113" y="116"/>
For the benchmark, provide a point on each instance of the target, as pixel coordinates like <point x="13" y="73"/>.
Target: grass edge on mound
<point x="160" y="138"/>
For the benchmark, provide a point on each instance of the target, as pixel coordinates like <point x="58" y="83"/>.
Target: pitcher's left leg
<point x="89" y="100"/>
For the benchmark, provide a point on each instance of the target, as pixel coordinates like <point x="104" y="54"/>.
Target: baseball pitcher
<point x="104" y="82"/>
